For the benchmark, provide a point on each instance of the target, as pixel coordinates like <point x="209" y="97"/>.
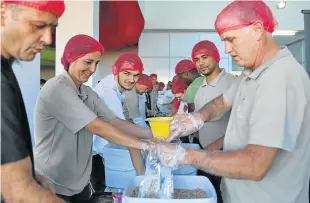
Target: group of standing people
<point x="254" y="128"/>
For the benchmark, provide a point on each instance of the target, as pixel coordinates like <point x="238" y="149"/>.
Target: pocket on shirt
<point x="243" y="112"/>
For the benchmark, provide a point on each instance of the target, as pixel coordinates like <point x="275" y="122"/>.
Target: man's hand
<point x="185" y="124"/>
<point x="170" y="155"/>
<point x="45" y="183"/>
<point x="18" y="184"/>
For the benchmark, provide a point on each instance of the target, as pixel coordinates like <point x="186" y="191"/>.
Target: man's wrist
<point x="189" y="154"/>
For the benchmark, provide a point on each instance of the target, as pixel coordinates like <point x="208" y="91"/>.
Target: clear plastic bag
<point x="158" y="180"/>
<point x="150" y="186"/>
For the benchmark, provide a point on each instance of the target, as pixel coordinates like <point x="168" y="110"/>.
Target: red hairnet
<point x="145" y="80"/>
<point x="77" y="47"/>
<point x="153" y="75"/>
<point x="240" y="14"/>
<point x="206" y="47"/>
<point x="128" y="61"/>
<point x="184" y="66"/>
<point x="161" y="84"/>
<point x="177" y="85"/>
<point x="55" y="7"/>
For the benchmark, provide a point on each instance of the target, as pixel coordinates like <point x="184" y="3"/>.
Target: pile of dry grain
<point x="181" y="193"/>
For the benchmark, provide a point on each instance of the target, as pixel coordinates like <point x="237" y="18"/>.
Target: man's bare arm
<point x="137" y="160"/>
<point x="132" y="129"/>
<point x="215" y="109"/>
<point x="251" y="163"/>
<point x="113" y="134"/>
<point x="19" y="186"/>
<point x="216" y="145"/>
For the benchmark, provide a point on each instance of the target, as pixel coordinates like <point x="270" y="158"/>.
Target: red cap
<point x="128" y="61"/>
<point x="77" y="47"/>
<point x="55" y="7"/>
<point x="145" y="80"/>
<point x="153" y="75"/>
<point x="206" y="47"/>
<point x="240" y="14"/>
<point x="161" y="84"/>
<point x="184" y="66"/>
<point x="177" y="85"/>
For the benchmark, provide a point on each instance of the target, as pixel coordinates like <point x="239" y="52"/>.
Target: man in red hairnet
<point x="26" y="28"/>
<point x="134" y="105"/>
<point x="126" y="71"/>
<point x="266" y="153"/>
<point x="161" y="86"/>
<point x="179" y="91"/>
<point x="187" y="72"/>
<point x="216" y="82"/>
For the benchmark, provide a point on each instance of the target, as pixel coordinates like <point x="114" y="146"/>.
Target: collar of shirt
<point x="82" y="93"/>
<point x="216" y="80"/>
<point x="6" y="62"/>
<point x="284" y="52"/>
<point x="110" y="83"/>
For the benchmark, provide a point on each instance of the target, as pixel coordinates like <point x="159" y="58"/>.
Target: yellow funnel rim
<point x="160" y="119"/>
<point x="160" y="126"/>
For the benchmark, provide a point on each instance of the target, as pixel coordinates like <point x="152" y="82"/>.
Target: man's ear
<point x="258" y="29"/>
<point x="3" y="12"/>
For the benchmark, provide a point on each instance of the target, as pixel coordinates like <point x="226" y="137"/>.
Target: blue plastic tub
<point x="118" y="166"/>
<point x="180" y="182"/>
<point x="187" y="170"/>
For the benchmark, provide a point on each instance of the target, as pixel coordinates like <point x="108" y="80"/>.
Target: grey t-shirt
<point x="211" y="131"/>
<point x="272" y="109"/>
<point x="63" y="150"/>
<point x="154" y="98"/>
<point x="131" y="104"/>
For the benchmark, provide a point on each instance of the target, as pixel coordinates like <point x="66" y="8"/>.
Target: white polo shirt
<point x="108" y="92"/>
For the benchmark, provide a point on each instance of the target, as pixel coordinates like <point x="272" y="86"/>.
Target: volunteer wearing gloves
<point x="134" y="105"/>
<point x="266" y="154"/>
<point x="126" y="71"/>
<point x="67" y="114"/>
<point x="188" y="74"/>
<point x="26" y="28"/>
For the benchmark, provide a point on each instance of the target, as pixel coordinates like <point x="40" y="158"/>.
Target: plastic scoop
<point x="160" y="126"/>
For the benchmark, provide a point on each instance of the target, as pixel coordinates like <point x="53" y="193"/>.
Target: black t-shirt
<point x="15" y="133"/>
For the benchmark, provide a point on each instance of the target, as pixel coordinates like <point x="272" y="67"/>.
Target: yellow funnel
<point x="160" y="126"/>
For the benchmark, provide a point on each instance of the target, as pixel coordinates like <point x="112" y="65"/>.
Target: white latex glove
<point x="185" y="124"/>
<point x="171" y="155"/>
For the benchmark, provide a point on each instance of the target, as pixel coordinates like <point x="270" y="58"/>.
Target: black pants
<point x="82" y="197"/>
<point x="97" y="177"/>
<point x="216" y="182"/>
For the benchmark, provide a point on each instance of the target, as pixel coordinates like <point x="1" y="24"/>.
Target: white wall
<point x="202" y="14"/>
<point x="28" y="77"/>
<point x="160" y="51"/>
<point x="298" y="50"/>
